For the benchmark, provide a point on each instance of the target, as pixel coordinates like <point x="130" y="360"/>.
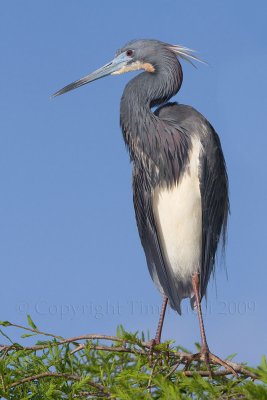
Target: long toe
<point x="205" y="353"/>
<point x="217" y="360"/>
<point x="209" y="359"/>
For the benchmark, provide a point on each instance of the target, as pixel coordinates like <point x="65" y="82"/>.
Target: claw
<point x="209" y="358"/>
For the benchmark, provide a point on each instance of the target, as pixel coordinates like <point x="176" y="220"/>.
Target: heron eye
<point x="129" y="53"/>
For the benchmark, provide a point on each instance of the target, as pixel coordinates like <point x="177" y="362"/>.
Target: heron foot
<point x="154" y="355"/>
<point x="151" y="344"/>
<point x="209" y="358"/>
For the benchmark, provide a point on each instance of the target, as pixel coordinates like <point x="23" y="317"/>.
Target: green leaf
<point x="264" y="363"/>
<point x="31" y="323"/>
<point x="65" y="371"/>
<point x="5" y="323"/>
<point x="7" y="337"/>
<point x="25" y="335"/>
<point x="231" y="356"/>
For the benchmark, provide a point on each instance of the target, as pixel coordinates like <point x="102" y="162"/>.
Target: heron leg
<point x="205" y="352"/>
<point x="204" y="344"/>
<point x="157" y="338"/>
<point x="161" y="320"/>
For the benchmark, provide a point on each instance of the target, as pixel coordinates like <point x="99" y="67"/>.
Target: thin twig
<point x="181" y="357"/>
<point x="173" y="369"/>
<point x="79" y="347"/>
<point x="115" y="349"/>
<point x="86" y="393"/>
<point x="151" y="375"/>
<point x="34" y="330"/>
<point x="72" y="377"/>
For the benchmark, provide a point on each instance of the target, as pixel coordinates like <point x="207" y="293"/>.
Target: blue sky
<point x="69" y="249"/>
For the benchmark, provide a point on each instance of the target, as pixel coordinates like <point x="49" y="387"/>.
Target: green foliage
<point x="121" y="367"/>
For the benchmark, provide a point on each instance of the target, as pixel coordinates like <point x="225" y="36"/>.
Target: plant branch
<point x="180" y="357"/>
<point x="71" y="377"/>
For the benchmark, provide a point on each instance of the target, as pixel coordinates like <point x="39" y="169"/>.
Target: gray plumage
<point x="175" y="152"/>
<point x="159" y="144"/>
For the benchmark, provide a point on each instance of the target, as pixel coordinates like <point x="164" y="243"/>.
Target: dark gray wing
<point x="215" y="202"/>
<point x="213" y="181"/>
<point x="183" y="122"/>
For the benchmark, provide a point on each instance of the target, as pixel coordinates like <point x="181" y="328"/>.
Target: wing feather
<point x="215" y="203"/>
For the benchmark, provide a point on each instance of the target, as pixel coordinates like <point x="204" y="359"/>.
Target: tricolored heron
<point x="180" y="185"/>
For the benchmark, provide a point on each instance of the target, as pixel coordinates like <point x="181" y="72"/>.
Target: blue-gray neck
<point x="141" y="127"/>
<point x="139" y="124"/>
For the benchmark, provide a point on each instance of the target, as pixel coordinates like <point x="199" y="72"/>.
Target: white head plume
<point x="185" y="53"/>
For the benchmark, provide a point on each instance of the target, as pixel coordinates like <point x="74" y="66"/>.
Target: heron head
<point x="143" y="54"/>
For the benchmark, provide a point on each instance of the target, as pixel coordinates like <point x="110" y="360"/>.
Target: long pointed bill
<point x="113" y="66"/>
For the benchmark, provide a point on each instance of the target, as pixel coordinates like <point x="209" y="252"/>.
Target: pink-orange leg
<point x="205" y="352"/>
<point x="161" y="320"/>
<point x="156" y="341"/>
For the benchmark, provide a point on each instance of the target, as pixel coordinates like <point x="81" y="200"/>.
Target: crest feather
<point x="186" y="54"/>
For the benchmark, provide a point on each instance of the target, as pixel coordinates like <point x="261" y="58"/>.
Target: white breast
<point x="178" y="217"/>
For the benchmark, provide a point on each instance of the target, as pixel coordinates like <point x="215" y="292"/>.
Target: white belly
<point x="178" y="217"/>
